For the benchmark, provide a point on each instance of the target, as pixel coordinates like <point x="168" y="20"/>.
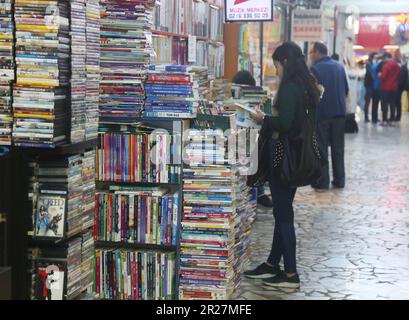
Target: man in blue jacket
<point x="331" y="114"/>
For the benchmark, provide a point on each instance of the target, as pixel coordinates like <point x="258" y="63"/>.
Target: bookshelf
<point x="104" y="246"/>
<point x="20" y="208"/>
<point x="202" y="19"/>
<point x="63" y="127"/>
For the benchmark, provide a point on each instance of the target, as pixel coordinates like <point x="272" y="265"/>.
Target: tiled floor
<point x="351" y="243"/>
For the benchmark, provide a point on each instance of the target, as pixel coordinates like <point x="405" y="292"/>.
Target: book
<point x="50" y="217"/>
<point x="135" y="275"/>
<point x="141" y="216"/>
<point x="42" y="50"/>
<point x="126" y="156"/>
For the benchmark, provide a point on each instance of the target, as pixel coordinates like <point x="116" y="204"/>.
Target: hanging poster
<point x="307" y="25"/>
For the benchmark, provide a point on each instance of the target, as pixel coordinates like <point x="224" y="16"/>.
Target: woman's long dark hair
<point x="290" y="55"/>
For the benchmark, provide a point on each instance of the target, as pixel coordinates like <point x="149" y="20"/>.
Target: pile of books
<point x="93" y="68"/>
<point x="63" y="194"/>
<point x="88" y="188"/>
<point x="219" y="90"/>
<point x="87" y="261"/>
<point x="43" y="68"/>
<point x="137" y="155"/>
<point x="78" y="70"/>
<point x="56" y="273"/>
<point x="135" y="275"/>
<point x="126" y="51"/>
<point x="137" y="215"/>
<point x="171" y="92"/>
<point x="201" y="79"/>
<point x="246" y="206"/>
<point x="209" y="220"/>
<point x="254" y="95"/>
<point x="59" y="204"/>
<point x="33" y="192"/>
<point x="6" y="71"/>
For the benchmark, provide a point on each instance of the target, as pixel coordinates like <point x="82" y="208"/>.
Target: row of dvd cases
<point x="49" y="81"/>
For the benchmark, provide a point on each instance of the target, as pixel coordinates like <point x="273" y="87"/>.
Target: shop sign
<point x="307" y="25"/>
<point x="249" y="10"/>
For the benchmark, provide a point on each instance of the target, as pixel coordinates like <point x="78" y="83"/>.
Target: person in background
<point x="245" y="78"/>
<point x="389" y="75"/>
<point x="298" y="88"/>
<point x="402" y="86"/>
<point x="335" y="57"/>
<point x="361" y="72"/>
<point x="369" y="85"/>
<point x="331" y="114"/>
<point x="376" y="89"/>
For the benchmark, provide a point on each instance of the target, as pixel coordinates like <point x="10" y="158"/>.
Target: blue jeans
<point x="284" y="240"/>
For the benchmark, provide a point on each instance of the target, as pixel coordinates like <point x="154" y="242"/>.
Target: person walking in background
<point x="331" y="114"/>
<point x="403" y="84"/>
<point x="297" y="89"/>
<point x="376" y="89"/>
<point x="389" y="75"/>
<point x="369" y="85"/>
<point x="245" y="78"/>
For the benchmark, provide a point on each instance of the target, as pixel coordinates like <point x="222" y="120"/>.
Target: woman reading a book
<point x="297" y="84"/>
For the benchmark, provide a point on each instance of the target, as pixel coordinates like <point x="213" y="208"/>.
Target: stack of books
<point x="254" y="95"/>
<point x="59" y="204"/>
<point x="209" y="219"/>
<point x="137" y="155"/>
<point x="171" y="92"/>
<point x="78" y="70"/>
<point x="33" y="192"/>
<point x="135" y="275"/>
<point x="59" y="272"/>
<point x="62" y="189"/>
<point x="246" y="206"/>
<point x="42" y="56"/>
<point x="126" y="51"/>
<point x="87" y="261"/>
<point x="56" y="273"/>
<point x="137" y="215"/>
<point x="6" y="71"/>
<point x="201" y="78"/>
<point x="93" y="68"/>
<point x="88" y="188"/>
<point x="219" y="90"/>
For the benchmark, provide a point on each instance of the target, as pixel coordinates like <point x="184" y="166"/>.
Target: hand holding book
<point x="258" y="116"/>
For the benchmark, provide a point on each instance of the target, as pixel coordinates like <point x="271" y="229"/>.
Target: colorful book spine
<point x="135" y="275"/>
<point x="136" y="217"/>
<point x="7" y="72"/>
<point x="137" y="157"/>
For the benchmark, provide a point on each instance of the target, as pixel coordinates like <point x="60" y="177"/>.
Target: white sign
<point x="249" y="10"/>
<point x="307" y="25"/>
<point x="192" y="42"/>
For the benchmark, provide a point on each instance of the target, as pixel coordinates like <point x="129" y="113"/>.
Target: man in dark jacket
<point x="368" y="84"/>
<point x="403" y="84"/>
<point x="331" y="114"/>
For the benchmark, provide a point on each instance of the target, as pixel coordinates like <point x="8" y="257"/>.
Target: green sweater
<point x="290" y="104"/>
